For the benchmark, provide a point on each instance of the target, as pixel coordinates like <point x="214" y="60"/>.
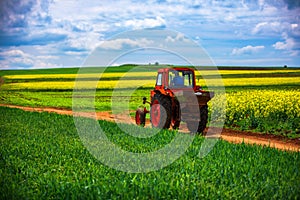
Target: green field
<point x="42" y="157"/>
<point x="260" y="100"/>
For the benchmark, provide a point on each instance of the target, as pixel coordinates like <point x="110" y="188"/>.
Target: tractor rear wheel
<point x="175" y="121"/>
<point x="175" y="124"/>
<point x="160" y="112"/>
<point x="140" y="117"/>
<point x="200" y="126"/>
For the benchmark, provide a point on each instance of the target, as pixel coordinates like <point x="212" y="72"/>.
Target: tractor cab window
<point x="159" y="79"/>
<point x="181" y="79"/>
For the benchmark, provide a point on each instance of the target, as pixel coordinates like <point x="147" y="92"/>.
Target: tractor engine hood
<point x="190" y="96"/>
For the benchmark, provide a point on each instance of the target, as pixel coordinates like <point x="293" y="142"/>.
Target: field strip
<point x="273" y="141"/>
<point x="229" y="135"/>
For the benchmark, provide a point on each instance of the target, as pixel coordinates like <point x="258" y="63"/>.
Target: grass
<point x="42" y="157"/>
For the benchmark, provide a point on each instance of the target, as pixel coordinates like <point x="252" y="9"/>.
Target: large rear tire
<point x="175" y="124"/>
<point x="175" y="121"/>
<point x="160" y="112"/>
<point x="199" y="127"/>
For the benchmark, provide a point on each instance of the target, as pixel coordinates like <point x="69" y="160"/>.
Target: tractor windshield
<point x="180" y="79"/>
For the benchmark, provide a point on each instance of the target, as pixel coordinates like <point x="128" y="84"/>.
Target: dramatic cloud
<point x="17" y="17"/>
<point x="292" y="4"/>
<point x="27" y="23"/>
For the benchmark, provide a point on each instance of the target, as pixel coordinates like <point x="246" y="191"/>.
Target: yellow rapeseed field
<point x="263" y="103"/>
<point x="74" y="76"/>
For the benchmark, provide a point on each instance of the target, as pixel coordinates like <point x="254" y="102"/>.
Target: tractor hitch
<point x="145" y="101"/>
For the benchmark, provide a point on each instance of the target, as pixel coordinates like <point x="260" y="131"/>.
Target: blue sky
<point x="63" y="33"/>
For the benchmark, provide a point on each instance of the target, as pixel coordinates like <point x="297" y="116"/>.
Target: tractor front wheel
<point x="140" y="117"/>
<point x="160" y="112"/>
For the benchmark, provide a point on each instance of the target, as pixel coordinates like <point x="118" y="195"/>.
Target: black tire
<point x="199" y="127"/>
<point x="163" y="119"/>
<point x="175" y="121"/>
<point x="175" y="125"/>
<point x="140" y="117"/>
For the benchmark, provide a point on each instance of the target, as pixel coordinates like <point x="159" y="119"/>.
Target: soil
<point x="233" y="136"/>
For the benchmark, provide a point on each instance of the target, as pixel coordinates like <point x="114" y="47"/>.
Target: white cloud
<point x="247" y="50"/>
<point x="179" y="37"/>
<point x="74" y="53"/>
<point x="44" y="64"/>
<point x="286" y="31"/>
<point x="268" y="27"/>
<point x="48" y="57"/>
<point x="276" y="28"/>
<point x="17" y="58"/>
<point x="294" y="26"/>
<point x="145" y="23"/>
<point x="86" y="42"/>
<point x="295" y="30"/>
<point x="13" y="53"/>
<point x="118" y="44"/>
<point x="258" y="27"/>
<point x="289" y="45"/>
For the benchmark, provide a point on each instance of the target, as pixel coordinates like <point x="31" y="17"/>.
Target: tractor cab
<point x="175" y="79"/>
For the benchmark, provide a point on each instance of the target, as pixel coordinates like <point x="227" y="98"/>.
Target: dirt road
<point x="233" y="136"/>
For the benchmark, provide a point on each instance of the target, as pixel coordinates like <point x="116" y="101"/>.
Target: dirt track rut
<point x="233" y="136"/>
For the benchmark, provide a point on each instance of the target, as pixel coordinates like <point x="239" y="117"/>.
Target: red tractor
<point x="176" y="98"/>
